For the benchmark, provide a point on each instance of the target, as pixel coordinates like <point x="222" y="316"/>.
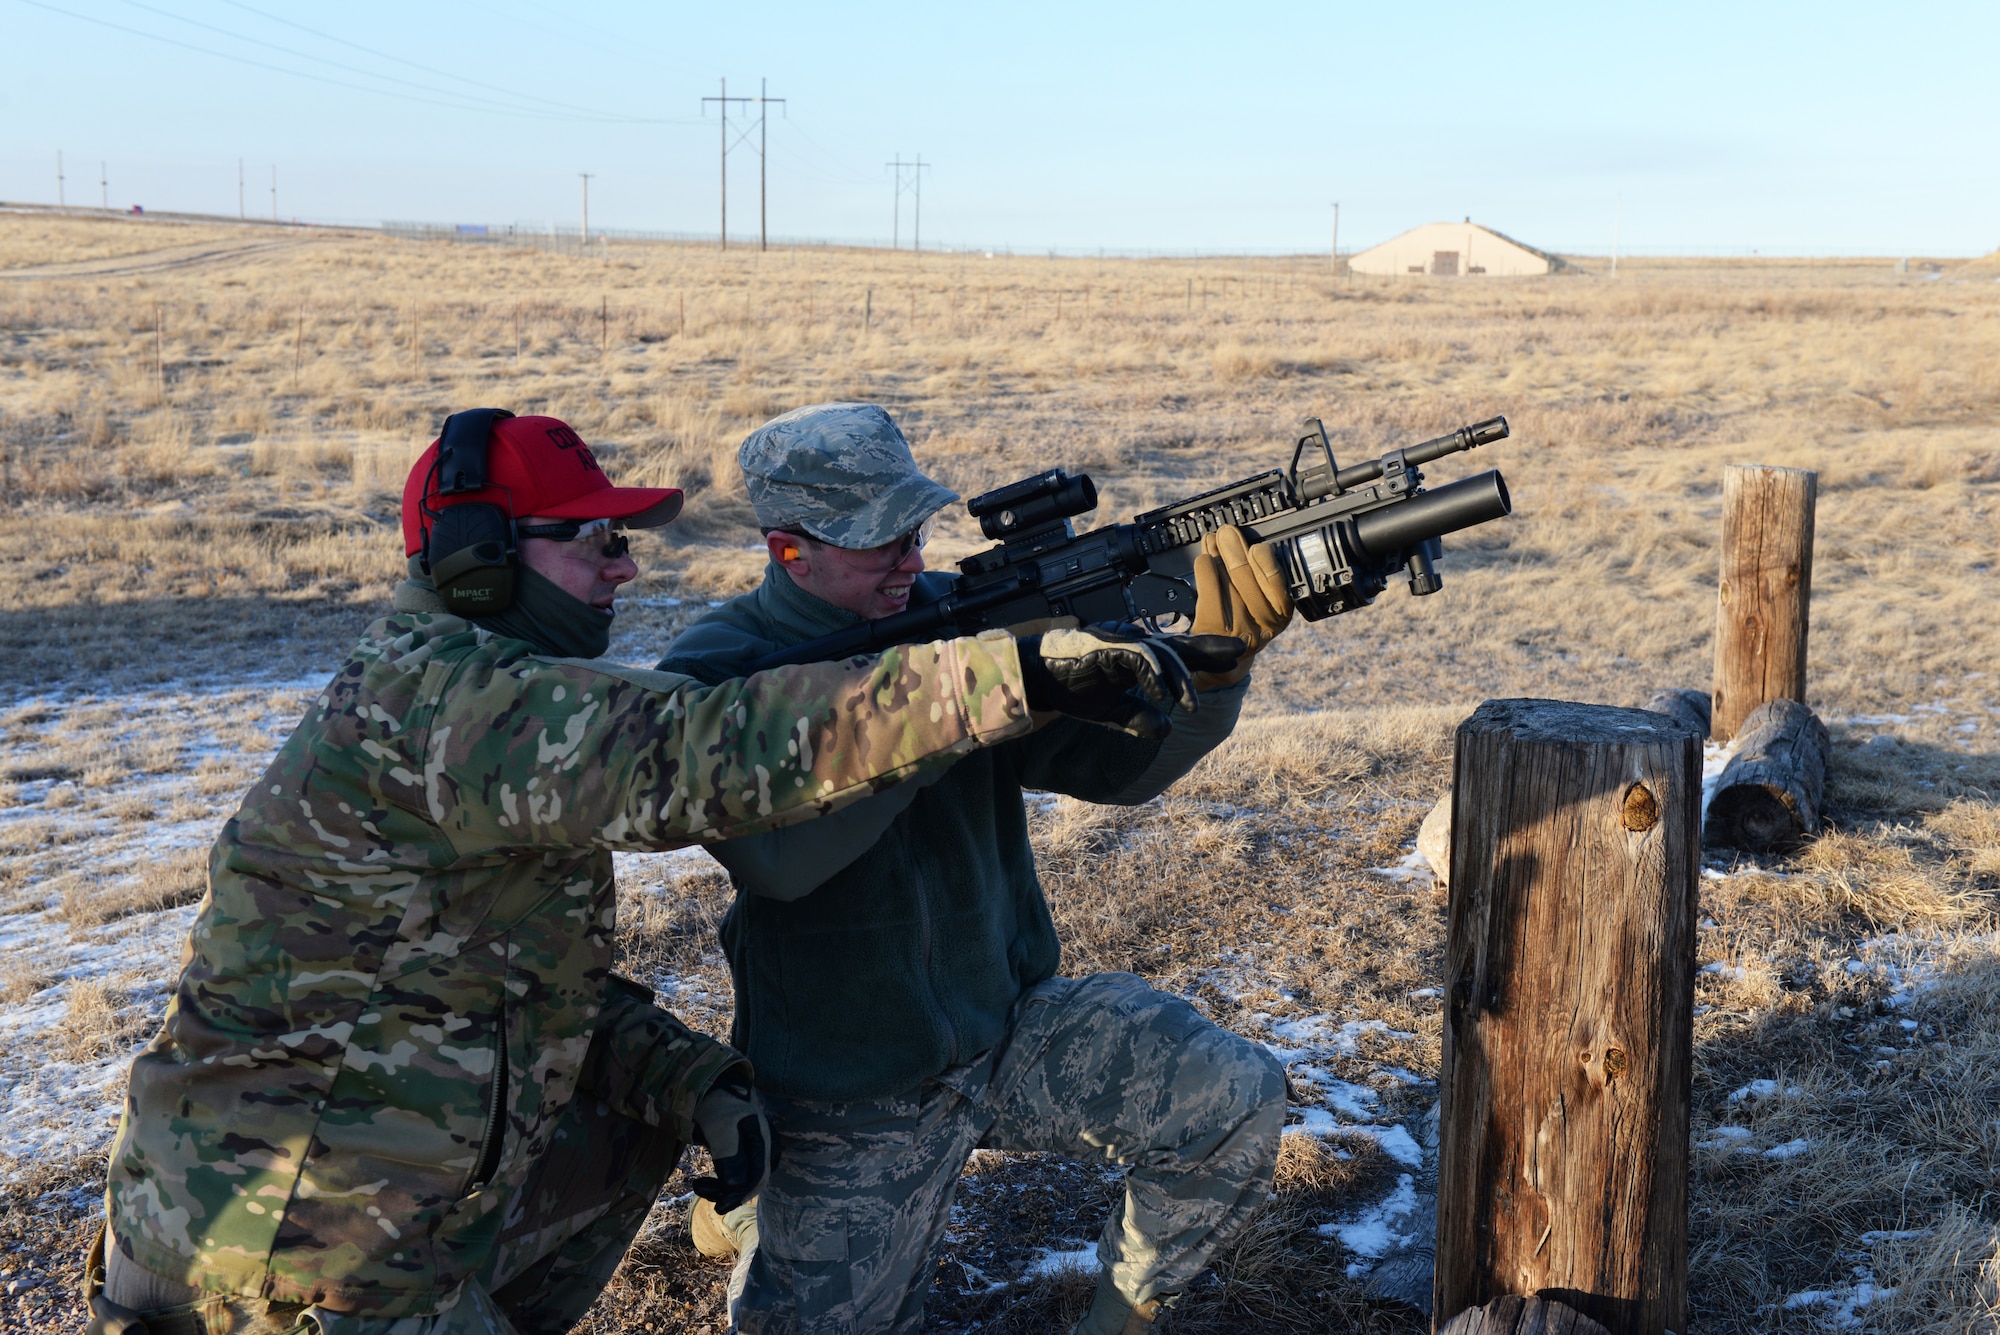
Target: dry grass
<point x="229" y="509"/>
<point x="180" y="877"/>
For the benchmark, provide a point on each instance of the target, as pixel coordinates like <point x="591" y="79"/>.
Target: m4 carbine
<point x="1341" y="534"/>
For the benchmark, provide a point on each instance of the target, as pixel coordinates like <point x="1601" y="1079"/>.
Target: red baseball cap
<point x="537" y="466"/>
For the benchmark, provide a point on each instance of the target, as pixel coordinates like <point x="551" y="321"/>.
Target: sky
<point x="1829" y="128"/>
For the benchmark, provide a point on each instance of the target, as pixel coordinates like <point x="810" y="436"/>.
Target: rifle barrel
<point x="1465" y="438"/>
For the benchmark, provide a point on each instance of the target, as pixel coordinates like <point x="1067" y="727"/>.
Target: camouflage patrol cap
<point x="841" y="472"/>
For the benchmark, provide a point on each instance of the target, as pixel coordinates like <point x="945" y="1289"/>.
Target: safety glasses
<point x="584" y="539"/>
<point x="883" y="558"/>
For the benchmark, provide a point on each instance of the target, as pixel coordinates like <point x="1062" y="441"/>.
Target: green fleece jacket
<point x="890" y="941"/>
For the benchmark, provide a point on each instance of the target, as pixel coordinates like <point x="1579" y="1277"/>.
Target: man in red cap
<point x="398" y="1090"/>
<point x="539" y="469"/>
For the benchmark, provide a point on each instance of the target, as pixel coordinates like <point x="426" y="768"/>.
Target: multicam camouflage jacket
<point x="395" y="976"/>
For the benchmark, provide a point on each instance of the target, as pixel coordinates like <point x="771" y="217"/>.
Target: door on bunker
<point x="1444" y="263"/>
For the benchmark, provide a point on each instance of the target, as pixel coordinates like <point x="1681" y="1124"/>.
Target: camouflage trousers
<point x="1103" y="1068"/>
<point x="564" y="1234"/>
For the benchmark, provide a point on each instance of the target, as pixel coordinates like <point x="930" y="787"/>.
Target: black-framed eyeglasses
<point x="590" y="535"/>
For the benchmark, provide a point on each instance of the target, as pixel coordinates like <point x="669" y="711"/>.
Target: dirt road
<point x="193" y="255"/>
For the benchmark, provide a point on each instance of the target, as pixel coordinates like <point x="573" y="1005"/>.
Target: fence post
<point x="1764" y="592"/>
<point x="1568" y="1028"/>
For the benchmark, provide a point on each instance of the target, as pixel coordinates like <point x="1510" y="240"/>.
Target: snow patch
<point x="1412" y="867"/>
<point x="1049" y="1263"/>
<point x="1757" y="1091"/>
<point x="1382" y="1227"/>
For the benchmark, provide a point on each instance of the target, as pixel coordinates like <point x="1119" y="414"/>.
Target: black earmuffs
<point x="469" y="548"/>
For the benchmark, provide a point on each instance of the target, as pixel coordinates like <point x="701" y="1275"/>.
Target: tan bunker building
<point x="1447" y="250"/>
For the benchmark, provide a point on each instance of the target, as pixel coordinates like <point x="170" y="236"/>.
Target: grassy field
<point x="202" y="440"/>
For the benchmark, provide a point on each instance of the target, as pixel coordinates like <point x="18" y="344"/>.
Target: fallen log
<point x="1768" y="795"/>
<point x="1686" y="707"/>
<point x="1514" y="1315"/>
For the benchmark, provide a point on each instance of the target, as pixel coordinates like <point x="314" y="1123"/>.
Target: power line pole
<point x="763" y="161"/>
<point x="1617" y="220"/>
<point x="896" y="224"/>
<point x="61" y="202"/>
<point x="1336" y="236"/>
<point x="586" y="205"/>
<point x="916" y="170"/>
<point x="723" y="103"/>
<point x="239" y="189"/>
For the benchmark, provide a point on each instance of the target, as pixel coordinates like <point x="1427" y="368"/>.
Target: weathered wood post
<point x="1768" y="798"/>
<point x="1568" y="1032"/>
<point x="1764" y="591"/>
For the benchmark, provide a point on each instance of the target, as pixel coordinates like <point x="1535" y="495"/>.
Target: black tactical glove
<point x="730" y="1123"/>
<point x="1120" y="676"/>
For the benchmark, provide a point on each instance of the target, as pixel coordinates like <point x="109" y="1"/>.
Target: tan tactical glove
<point x="1239" y="591"/>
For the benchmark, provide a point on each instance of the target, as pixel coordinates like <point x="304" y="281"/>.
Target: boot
<point x="1111" y="1314"/>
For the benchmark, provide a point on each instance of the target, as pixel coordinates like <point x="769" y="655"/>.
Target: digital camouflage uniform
<point x="365" y="1092"/>
<point x="1105" y="1068"/>
<point x="895" y="972"/>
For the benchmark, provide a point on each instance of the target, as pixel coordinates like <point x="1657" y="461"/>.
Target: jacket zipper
<point x="930" y="983"/>
<point x="496" y="1116"/>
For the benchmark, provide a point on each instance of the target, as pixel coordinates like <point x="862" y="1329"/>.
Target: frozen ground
<point x="108" y="803"/>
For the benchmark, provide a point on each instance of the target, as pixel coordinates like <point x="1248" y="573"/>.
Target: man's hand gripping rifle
<point x="1340" y="534"/>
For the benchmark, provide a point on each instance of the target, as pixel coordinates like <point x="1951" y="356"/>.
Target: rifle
<point x="1340" y="533"/>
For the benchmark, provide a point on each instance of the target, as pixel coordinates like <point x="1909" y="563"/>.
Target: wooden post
<point x="1764" y="591"/>
<point x="1568" y="1030"/>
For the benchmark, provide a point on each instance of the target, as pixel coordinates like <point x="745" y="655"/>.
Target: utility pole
<point x="722" y="103"/>
<point x="239" y="189"/>
<point x="1336" y="236"/>
<point x="896" y="222"/>
<point x="61" y="202"/>
<point x="274" y="192"/>
<point x="586" y="205"/>
<point x="916" y="170"/>
<point x="1617" y="219"/>
<point x="763" y="162"/>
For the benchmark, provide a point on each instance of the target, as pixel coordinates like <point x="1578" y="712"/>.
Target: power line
<point x="415" y="65"/>
<point x="460" y="105"/>
<point x="490" y="103"/>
